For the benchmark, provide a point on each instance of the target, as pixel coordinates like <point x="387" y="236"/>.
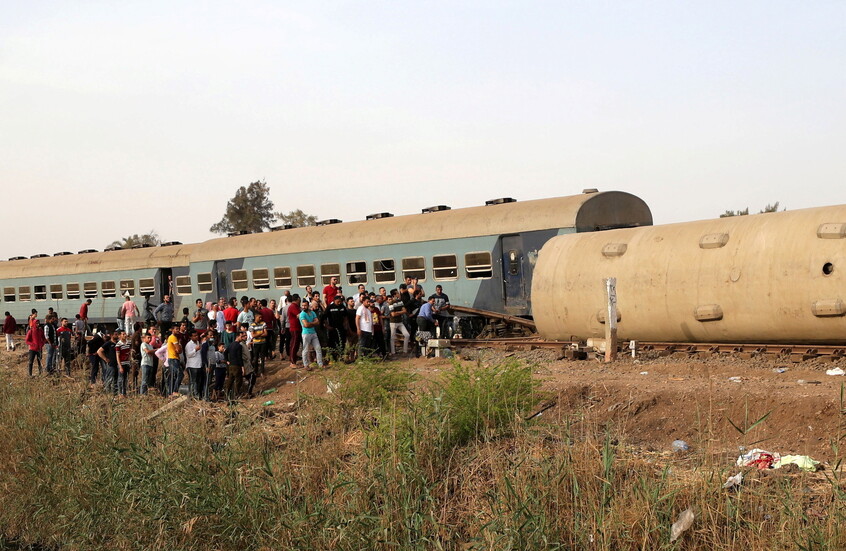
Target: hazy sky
<point x="121" y="117"/>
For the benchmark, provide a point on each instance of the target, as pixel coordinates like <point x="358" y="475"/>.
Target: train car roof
<point x="110" y="261"/>
<point x="584" y="212"/>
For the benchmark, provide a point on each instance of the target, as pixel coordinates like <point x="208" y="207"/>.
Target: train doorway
<point x="166" y="284"/>
<point x="513" y="275"/>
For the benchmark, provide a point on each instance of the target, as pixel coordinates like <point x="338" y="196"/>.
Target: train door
<point x="166" y="284"/>
<point x="513" y="274"/>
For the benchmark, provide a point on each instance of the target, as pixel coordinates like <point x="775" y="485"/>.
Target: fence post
<point x="611" y="320"/>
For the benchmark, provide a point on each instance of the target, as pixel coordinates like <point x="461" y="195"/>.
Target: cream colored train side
<point x="776" y="277"/>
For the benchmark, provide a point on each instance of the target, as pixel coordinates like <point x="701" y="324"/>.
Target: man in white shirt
<point x="364" y="327"/>
<point x="194" y="363"/>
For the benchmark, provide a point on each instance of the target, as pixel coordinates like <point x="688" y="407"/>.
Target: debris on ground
<point x="681" y="524"/>
<point x="733" y="481"/>
<point x="835" y="371"/>
<point x="804" y="462"/>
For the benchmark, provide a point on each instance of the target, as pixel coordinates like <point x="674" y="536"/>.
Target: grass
<point x="387" y="463"/>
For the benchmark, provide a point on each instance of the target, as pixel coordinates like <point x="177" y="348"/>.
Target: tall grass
<point x="452" y="465"/>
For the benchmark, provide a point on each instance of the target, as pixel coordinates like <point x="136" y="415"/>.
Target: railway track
<point x="578" y="350"/>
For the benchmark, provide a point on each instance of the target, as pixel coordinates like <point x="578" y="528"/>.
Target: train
<point x="765" y="278"/>
<point x="484" y="258"/>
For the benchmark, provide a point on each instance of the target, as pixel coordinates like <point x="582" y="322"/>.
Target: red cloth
<point x="230" y="314"/>
<point x="10" y="325"/>
<point x="330" y="291"/>
<point x="294" y="317"/>
<point x="83" y="311"/>
<point x="35" y="339"/>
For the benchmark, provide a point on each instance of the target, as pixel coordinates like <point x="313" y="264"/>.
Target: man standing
<point x="130" y="314"/>
<point x="258" y="329"/>
<point x="79" y="335"/>
<point x="235" y="367"/>
<point x="294" y="330"/>
<point x="164" y="315"/>
<point x="309" y="323"/>
<point x="63" y="336"/>
<point x="174" y="349"/>
<point x="50" y="342"/>
<point x="124" y="349"/>
<point x="330" y="291"/>
<point x="201" y="318"/>
<point x="335" y="318"/>
<point x="108" y="354"/>
<point x="35" y="342"/>
<point x="396" y="311"/>
<point x="194" y="364"/>
<point x="147" y="378"/>
<point x="364" y="326"/>
<point x="10" y="325"/>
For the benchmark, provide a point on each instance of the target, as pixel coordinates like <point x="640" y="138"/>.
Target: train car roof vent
<point x="379" y="215"/>
<point x="234" y="233"/>
<point x="18" y="258"/>
<point x="84" y="251"/>
<point x="328" y="222"/>
<point x="436" y="208"/>
<point x="590" y="190"/>
<point x="41" y="255"/>
<point x="63" y="253"/>
<point x="142" y="246"/>
<point x="170" y="243"/>
<point x="110" y="249"/>
<point x="500" y="201"/>
<point x="282" y="227"/>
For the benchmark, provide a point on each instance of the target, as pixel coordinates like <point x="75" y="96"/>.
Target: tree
<point x="151" y="238"/>
<point x="297" y="218"/>
<point x="250" y="210"/>
<point x="744" y="212"/>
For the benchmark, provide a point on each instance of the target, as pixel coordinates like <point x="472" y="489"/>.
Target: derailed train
<point x="482" y="256"/>
<point x="765" y="278"/>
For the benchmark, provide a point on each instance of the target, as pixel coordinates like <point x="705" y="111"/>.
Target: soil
<point x="649" y="401"/>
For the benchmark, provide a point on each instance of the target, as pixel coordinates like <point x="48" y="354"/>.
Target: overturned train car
<point x="766" y="278"/>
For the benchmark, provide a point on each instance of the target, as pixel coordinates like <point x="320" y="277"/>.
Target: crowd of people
<point x="224" y="346"/>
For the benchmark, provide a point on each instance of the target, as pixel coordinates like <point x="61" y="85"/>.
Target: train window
<point x="328" y="271"/>
<point x="56" y="291"/>
<point x="261" y="278"/>
<point x="384" y="271"/>
<point x="204" y="283"/>
<point x="357" y="272"/>
<point x="23" y="294"/>
<point x="108" y="289"/>
<point x="127" y="286"/>
<point x="9" y="294"/>
<point x="146" y="287"/>
<point x="478" y="265"/>
<point x="239" y="280"/>
<point x="282" y="277"/>
<point x="40" y="292"/>
<point x="513" y="262"/>
<point x="72" y="291"/>
<point x="445" y="266"/>
<point x="183" y="285"/>
<point x="305" y="275"/>
<point x="89" y="289"/>
<point x="414" y="267"/>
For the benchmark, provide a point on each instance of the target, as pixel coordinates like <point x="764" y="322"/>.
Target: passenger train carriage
<point x="482" y="256"/>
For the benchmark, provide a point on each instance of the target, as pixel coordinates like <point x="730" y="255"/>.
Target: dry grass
<point x="456" y="467"/>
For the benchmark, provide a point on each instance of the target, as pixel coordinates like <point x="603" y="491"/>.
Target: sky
<point x="118" y="118"/>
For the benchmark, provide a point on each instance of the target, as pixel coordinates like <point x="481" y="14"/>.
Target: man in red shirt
<point x="231" y="313"/>
<point x="83" y="313"/>
<point x="330" y="291"/>
<point x="295" y="329"/>
<point x="10" y="325"/>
